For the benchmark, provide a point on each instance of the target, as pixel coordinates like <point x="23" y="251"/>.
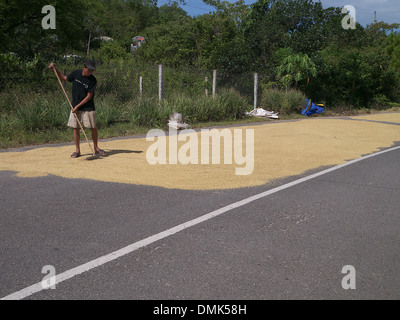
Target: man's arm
<point x="60" y="75"/>
<point x="84" y="101"/>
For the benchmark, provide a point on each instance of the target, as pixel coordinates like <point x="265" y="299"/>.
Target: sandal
<point x="75" y="155"/>
<point x="100" y="152"/>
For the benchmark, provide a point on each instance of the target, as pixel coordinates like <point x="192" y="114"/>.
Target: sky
<point x="386" y="10"/>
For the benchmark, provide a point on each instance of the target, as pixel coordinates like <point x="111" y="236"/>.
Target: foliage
<point x="298" y="66"/>
<point x="353" y="76"/>
<point x="393" y="49"/>
<point x="284" y="102"/>
<point x="302" y="25"/>
<point x="283" y="40"/>
<point x="169" y="44"/>
<point x="228" y="105"/>
<point x="21" y="29"/>
<point x="14" y="69"/>
<point x="109" y="52"/>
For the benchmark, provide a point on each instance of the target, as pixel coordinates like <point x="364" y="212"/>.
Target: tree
<point x="236" y="10"/>
<point x="299" y="66"/>
<point x="378" y="32"/>
<point x="393" y="49"/>
<point x="303" y="25"/>
<point x="353" y="76"/>
<point x="171" y="12"/>
<point x="209" y="41"/>
<point x="21" y="29"/>
<point x="170" y="43"/>
<point x="226" y="47"/>
<point x="110" y="51"/>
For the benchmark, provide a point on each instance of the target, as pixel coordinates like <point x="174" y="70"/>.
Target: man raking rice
<point x="83" y="110"/>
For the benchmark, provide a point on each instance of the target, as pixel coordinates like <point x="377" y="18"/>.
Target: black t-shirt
<point x="81" y="86"/>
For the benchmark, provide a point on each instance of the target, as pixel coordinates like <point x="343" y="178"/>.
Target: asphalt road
<point x="291" y="244"/>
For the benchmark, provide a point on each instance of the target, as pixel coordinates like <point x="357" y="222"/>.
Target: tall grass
<point x="149" y="113"/>
<point x="41" y="113"/>
<point x="109" y="111"/>
<point x="283" y="101"/>
<point x="28" y="118"/>
<point x="228" y="105"/>
<point x="38" y="118"/>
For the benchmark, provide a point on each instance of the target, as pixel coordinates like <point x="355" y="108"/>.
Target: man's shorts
<point x="87" y="119"/>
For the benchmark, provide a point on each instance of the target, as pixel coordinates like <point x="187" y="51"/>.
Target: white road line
<point x="162" y="235"/>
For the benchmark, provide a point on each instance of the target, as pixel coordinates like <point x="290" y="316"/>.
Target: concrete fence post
<point x="255" y="91"/>
<point x="141" y="86"/>
<point x="214" y="83"/>
<point x="160" y="82"/>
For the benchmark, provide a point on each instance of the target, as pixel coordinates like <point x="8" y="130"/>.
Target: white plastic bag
<point x="176" y="122"/>
<point x="260" y="112"/>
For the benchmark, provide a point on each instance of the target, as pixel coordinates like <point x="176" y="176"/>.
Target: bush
<point x="115" y="79"/>
<point x="16" y="70"/>
<point x="109" y="111"/>
<point x="227" y="105"/>
<point x="110" y="51"/>
<point x="284" y="102"/>
<point x="41" y="113"/>
<point x="149" y="113"/>
<point x="352" y="76"/>
<point x="380" y="101"/>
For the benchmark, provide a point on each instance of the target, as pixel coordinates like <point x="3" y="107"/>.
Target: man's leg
<point x="77" y="138"/>
<point x="95" y="138"/>
<point x="72" y="123"/>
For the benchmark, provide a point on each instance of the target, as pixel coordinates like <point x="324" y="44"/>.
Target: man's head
<point x="88" y="68"/>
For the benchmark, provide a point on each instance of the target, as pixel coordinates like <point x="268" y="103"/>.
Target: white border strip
<point x="162" y="235"/>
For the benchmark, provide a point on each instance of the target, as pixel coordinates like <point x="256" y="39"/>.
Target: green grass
<point x="286" y="102"/>
<point x="37" y="118"/>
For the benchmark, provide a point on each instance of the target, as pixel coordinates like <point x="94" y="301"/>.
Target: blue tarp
<point x="312" y="108"/>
